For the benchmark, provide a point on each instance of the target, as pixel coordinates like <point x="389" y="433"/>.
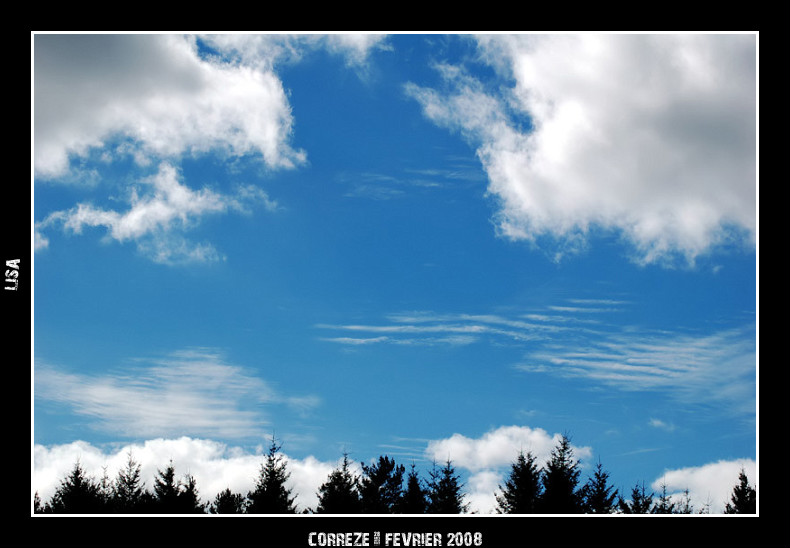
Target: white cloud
<point x="718" y="367"/>
<point x="661" y="425"/>
<point x="481" y="490"/>
<point x="711" y="483"/>
<point x="214" y="465"/>
<point x="217" y="466"/>
<point x="156" y="97"/>
<point x="714" y="367"/>
<point x="267" y="50"/>
<point x="192" y="392"/>
<point x="649" y="135"/>
<point x="158" y="206"/>
<point x="497" y="448"/>
<point x="489" y="457"/>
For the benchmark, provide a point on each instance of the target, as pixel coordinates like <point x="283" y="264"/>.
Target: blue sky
<point x="426" y="246"/>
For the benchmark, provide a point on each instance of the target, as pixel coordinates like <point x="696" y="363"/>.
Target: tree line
<point x="383" y="487"/>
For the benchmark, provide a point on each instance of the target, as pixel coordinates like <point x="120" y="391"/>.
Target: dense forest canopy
<point x="382" y="487"/>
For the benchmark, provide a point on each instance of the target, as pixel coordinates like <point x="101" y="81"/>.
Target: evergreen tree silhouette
<point x="271" y="496"/>
<point x="227" y="502"/>
<point x="414" y="499"/>
<point x="522" y="490"/>
<point x="744" y="497"/>
<point x="599" y="497"/>
<point x="77" y="494"/>
<point x="664" y="504"/>
<point x="340" y="493"/>
<point x="166" y="490"/>
<point x="128" y="491"/>
<point x="560" y="481"/>
<point x="444" y="491"/>
<point x="381" y="486"/>
<point x="189" y="497"/>
<point x="106" y="491"/>
<point x="640" y="503"/>
<point x="684" y="506"/>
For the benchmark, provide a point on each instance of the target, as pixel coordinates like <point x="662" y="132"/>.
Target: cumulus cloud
<point x="487" y="459"/>
<point x="154" y="95"/>
<point x="497" y="448"/>
<point x="214" y="465"/>
<point x="708" y="484"/>
<point x="193" y="392"/>
<point x="652" y="136"/>
<point x="267" y="50"/>
<point x="159" y="206"/>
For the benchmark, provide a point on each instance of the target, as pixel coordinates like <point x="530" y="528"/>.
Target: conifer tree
<point x="444" y="491"/>
<point x="166" y="490"/>
<point x="271" y="496"/>
<point x="640" y="503"/>
<point x="106" y="491"/>
<point x="189" y="497"/>
<point x="685" y="506"/>
<point x="599" y="497"/>
<point x="381" y="486"/>
<point x="227" y="502"/>
<point x="414" y="499"/>
<point x="664" y="505"/>
<point x="128" y="491"/>
<point x="522" y="490"/>
<point x="340" y="493"/>
<point x="77" y="494"/>
<point x="744" y="497"/>
<point x="560" y="481"/>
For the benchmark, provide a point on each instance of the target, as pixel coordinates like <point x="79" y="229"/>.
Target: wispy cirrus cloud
<point x="651" y="136"/>
<point x="453" y="329"/>
<point x="718" y="366"/>
<point x="586" y="339"/>
<point x="190" y="392"/>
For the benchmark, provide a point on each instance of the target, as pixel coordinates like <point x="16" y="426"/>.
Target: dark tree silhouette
<point x="414" y="499"/>
<point x="560" y="481"/>
<point x="340" y="493"/>
<point x="77" y="494"/>
<point x="664" y="504"/>
<point x="381" y="486"/>
<point x="128" y="491"/>
<point x="744" y="497"/>
<point x="270" y="495"/>
<point x="227" y="502"/>
<point x="106" y="490"/>
<point x="166" y="491"/>
<point x="380" y="490"/>
<point x="445" y="494"/>
<point x="684" y="506"/>
<point x="640" y="503"/>
<point x="172" y="496"/>
<point x="189" y="497"/>
<point x="522" y="490"/>
<point x="599" y="497"/>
